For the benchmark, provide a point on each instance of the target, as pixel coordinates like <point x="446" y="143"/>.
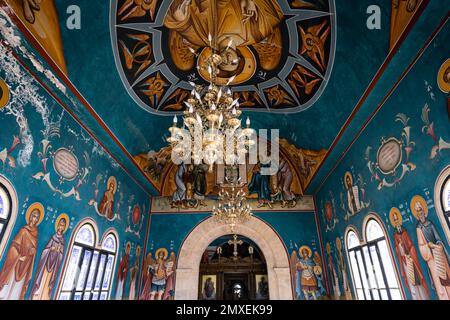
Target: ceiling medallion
<point x="281" y="56"/>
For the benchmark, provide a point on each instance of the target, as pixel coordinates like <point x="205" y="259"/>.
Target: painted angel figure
<point x="162" y="275"/>
<point x="307" y="273"/>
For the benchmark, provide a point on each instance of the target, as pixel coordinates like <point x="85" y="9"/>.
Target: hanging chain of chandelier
<point x="232" y="206"/>
<point x="213" y="122"/>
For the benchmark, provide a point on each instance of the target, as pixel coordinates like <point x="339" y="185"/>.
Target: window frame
<point x="95" y="249"/>
<point x="444" y="217"/>
<point x="363" y="270"/>
<point x="10" y="221"/>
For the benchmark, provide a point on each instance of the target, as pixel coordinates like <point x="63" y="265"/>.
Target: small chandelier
<point x="232" y="208"/>
<point x="211" y="114"/>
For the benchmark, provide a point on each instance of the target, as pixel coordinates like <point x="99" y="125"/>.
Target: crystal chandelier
<point x="212" y="121"/>
<point x="232" y="208"/>
<point x="212" y="114"/>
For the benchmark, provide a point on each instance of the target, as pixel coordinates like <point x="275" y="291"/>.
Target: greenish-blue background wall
<point x="30" y="115"/>
<point x="168" y="230"/>
<point x="418" y="88"/>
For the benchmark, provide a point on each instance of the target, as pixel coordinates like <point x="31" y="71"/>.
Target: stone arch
<point x="196" y="242"/>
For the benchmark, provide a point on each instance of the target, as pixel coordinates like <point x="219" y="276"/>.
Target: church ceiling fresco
<point x="271" y="72"/>
<point x="134" y="59"/>
<point x="283" y="188"/>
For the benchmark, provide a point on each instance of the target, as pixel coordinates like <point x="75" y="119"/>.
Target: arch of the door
<point x="275" y="253"/>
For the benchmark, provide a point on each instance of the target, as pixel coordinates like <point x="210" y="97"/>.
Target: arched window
<point x="372" y="266"/>
<point x="89" y="270"/>
<point x="8" y="211"/>
<point x="355" y="258"/>
<point x="442" y="200"/>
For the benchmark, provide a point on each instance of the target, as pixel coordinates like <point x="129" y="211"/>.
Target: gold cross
<point x="235" y="243"/>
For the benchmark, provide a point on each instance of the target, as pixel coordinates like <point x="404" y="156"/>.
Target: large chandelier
<point x="232" y="208"/>
<point x="213" y="121"/>
<point x="212" y="125"/>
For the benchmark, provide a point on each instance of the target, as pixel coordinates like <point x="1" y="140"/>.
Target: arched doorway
<point x="233" y="268"/>
<point x="265" y="238"/>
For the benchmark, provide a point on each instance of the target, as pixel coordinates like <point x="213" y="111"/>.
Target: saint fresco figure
<point x="432" y="248"/>
<point x="200" y="184"/>
<point x="209" y="290"/>
<point x="409" y="260"/>
<point x="133" y="274"/>
<point x="263" y="289"/>
<point x="169" y="292"/>
<point x="307" y="272"/>
<point x="333" y="272"/>
<point x="281" y="186"/>
<point x="179" y="195"/>
<point x="160" y="271"/>
<point x="106" y="206"/>
<point x="355" y="194"/>
<point x="146" y="277"/>
<point x="260" y="185"/>
<point x="342" y="268"/>
<point x="50" y="261"/>
<point x="123" y="272"/>
<point x="18" y="266"/>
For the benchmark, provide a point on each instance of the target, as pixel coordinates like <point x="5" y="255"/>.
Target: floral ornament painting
<point x="428" y="129"/>
<point x="329" y="213"/>
<point x="392" y="161"/>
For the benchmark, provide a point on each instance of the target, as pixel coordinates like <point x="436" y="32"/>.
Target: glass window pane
<point x="396" y="294"/>
<point x="373" y="230"/>
<point x="104" y="295"/>
<point x="84" y="269"/>
<point x="95" y="295"/>
<point x="362" y="272"/>
<point x="355" y="271"/>
<point x="108" y="272"/>
<point x="92" y="270"/>
<point x="369" y="268"/>
<point x="377" y="267"/>
<point x="86" y="296"/>
<point x="387" y="264"/>
<point x="101" y="268"/>
<point x="64" y="296"/>
<point x="86" y="235"/>
<point x="1" y="228"/>
<point x="109" y="244"/>
<point x="446" y="195"/>
<point x="384" y="294"/>
<point x="360" y="294"/>
<point x="72" y="269"/>
<point x="5" y="203"/>
<point x="352" y="240"/>
<point x="375" y="294"/>
<point x="77" y="296"/>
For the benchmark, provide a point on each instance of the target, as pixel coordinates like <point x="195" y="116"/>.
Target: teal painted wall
<point x="417" y="89"/>
<point x="33" y="116"/>
<point x="294" y="228"/>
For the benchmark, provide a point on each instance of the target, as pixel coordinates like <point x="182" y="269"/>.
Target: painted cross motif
<point x="235" y="242"/>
